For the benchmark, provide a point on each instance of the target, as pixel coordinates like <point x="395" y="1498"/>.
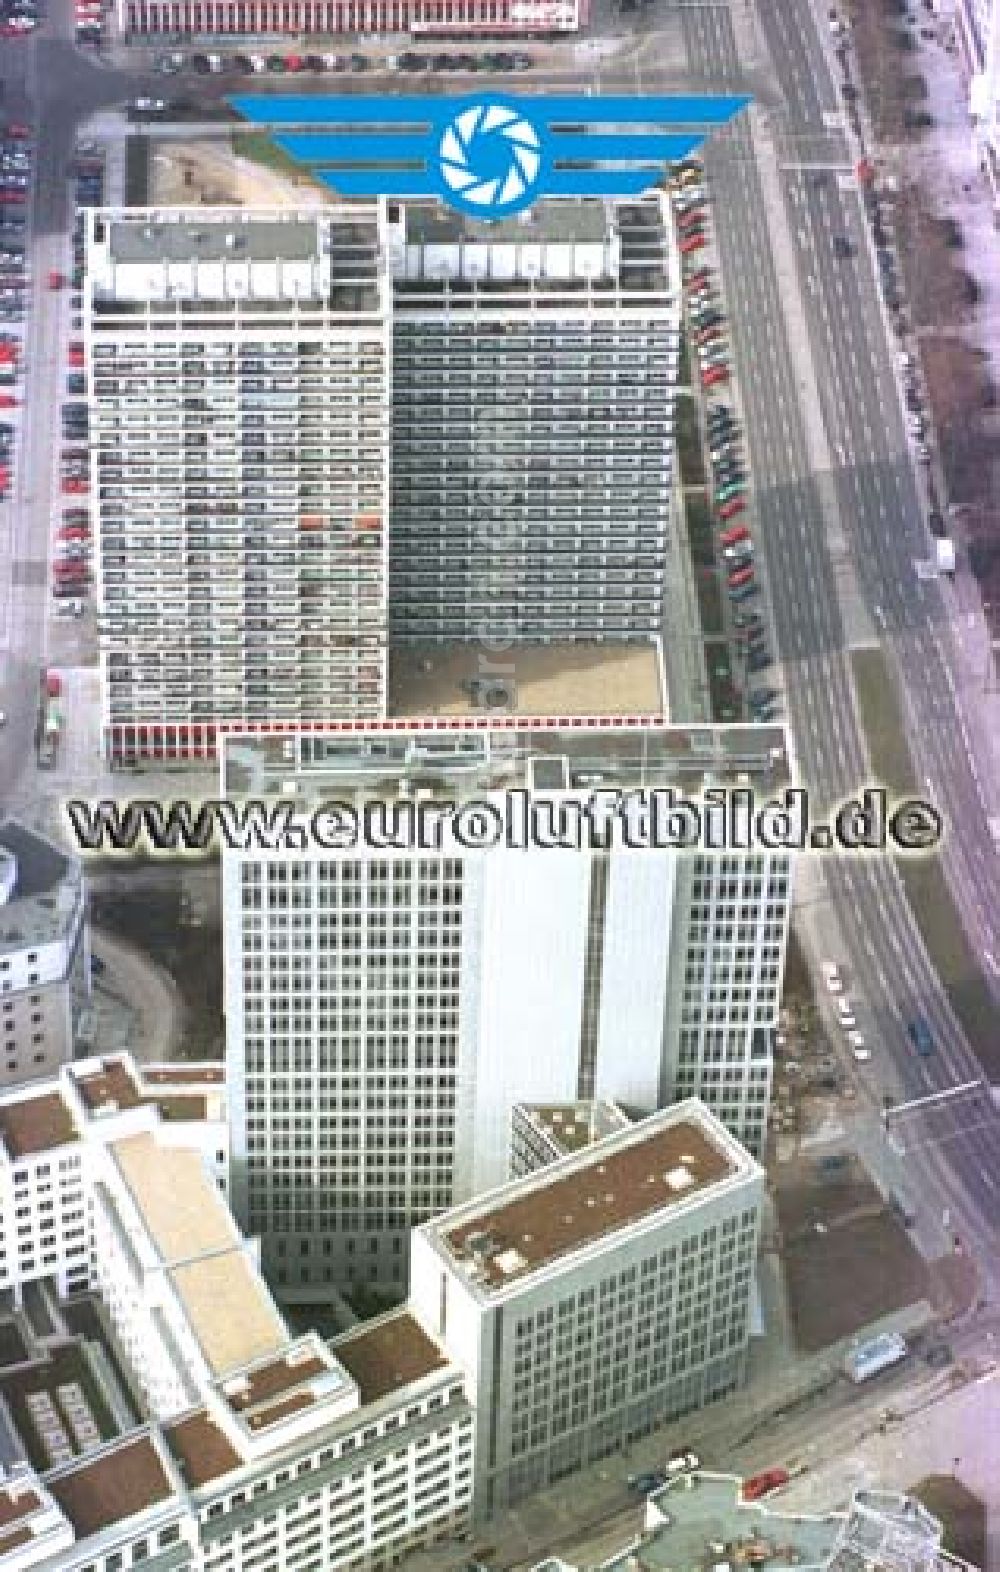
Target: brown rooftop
<point x="15" y="1504"/>
<point x="11" y="1541"/>
<point x="390" y="1354"/>
<point x="36" y="1124"/>
<point x="288" y="1405"/>
<point x="277" y="1376"/>
<point x="201" y="1450"/>
<point x="124" y="1480"/>
<point x="182" y="1074"/>
<point x="110" y="1087"/>
<point x="568" y="1210"/>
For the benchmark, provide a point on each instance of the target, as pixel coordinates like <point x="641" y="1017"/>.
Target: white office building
<point x="253" y="1447"/>
<point x="597" y="1298"/>
<point x="238" y="367"/>
<point x="44" y="955"/>
<point x="387" y="1009"/>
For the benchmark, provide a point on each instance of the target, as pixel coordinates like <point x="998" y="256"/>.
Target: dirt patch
<point x="960" y="394"/>
<point x="861" y="1268"/>
<point x="940" y="292"/>
<point x="878" y="38"/>
<point x="962" y="1514"/>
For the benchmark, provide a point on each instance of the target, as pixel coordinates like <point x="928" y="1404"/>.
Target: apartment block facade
<point x="316" y="433"/>
<point x="238" y="370"/>
<point x="239" y="19"/>
<point x="597" y="1298"/>
<point x="44" y="955"/>
<point x="534" y="370"/>
<point x="386" y="1010"/>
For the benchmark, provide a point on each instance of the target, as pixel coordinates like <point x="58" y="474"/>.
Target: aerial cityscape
<point x="499" y="785"/>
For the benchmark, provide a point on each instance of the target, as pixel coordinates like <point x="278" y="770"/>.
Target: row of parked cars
<point x="16" y="159"/>
<point x="315" y="64"/>
<point x="71" y="548"/>
<point x="706" y="320"/>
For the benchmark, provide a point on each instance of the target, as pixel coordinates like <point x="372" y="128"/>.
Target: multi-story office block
<point x="44" y="955"/>
<point x="534" y="369"/>
<point x="239" y="381"/>
<point x="232" y="19"/>
<point x="387" y="1007"/>
<point x="253" y="1447"/>
<point x="597" y="1298"/>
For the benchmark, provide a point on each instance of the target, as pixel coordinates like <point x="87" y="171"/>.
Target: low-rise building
<point x="542" y="1133"/>
<point x="258" y="1448"/>
<point x="44" y="955"/>
<point x="700" y="1521"/>
<point x="596" y="1298"/>
<point x="238" y="19"/>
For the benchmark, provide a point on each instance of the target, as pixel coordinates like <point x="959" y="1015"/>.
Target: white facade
<point x="238" y="372"/>
<point x="575" y="1349"/>
<point x="386" y="1011"/>
<point x="263" y="1449"/>
<point x="44" y="955"/>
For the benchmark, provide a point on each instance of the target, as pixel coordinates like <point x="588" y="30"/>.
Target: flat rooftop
<point x="109" y="1089"/>
<point x="184" y="1075"/>
<point x="571" y="1127"/>
<point x="170" y="236"/>
<point x="464" y="756"/>
<point x="705" y="1510"/>
<point x="230" y="1310"/>
<point x="651" y="1167"/>
<point x="584" y="219"/>
<point x="47" y="892"/>
<point x="390" y="1353"/>
<point x="17" y="1502"/>
<point x="122" y="1482"/>
<point x="200" y="1449"/>
<point x="549" y="679"/>
<point x="180" y="1206"/>
<point x="36" y="1124"/>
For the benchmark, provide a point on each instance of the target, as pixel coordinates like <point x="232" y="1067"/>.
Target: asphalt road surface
<point x="881" y="513"/>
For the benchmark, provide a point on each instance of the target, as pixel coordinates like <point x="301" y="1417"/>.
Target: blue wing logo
<point x="488" y="156"/>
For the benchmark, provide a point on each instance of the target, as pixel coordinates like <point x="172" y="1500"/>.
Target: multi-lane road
<point x="877" y="505"/>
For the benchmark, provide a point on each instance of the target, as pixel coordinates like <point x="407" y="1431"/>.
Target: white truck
<point x="876" y="1354"/>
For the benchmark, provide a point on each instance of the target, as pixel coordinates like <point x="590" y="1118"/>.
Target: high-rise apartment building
<point x="387" y="1007"/>
<point x="238" y="369"/>
<point x="44" y="954"/>
<point x="316" y="431"/>
<point x="534" y="369"/>
<point x="597" y="1298"/>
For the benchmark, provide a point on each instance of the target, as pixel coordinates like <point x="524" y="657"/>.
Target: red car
<point x="692" y="242"/>
<point x="762" y="1484"/>
<point x="8" y="401"/>
<point x="74" y="532"/>
<point x="76" y="354"/>
<point x="740" y="577"/>
<point x="713" y="375"/>
<point x="74" y="486"/>
<point x="730" y="509"/>
<point x="709" y="335"/>
<point x="694" y="218"/>
<point x="732" y="537"/>
<point x="698" y="280"/>
<point x="12" y="196"/>
<point x="18" y="132"/>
